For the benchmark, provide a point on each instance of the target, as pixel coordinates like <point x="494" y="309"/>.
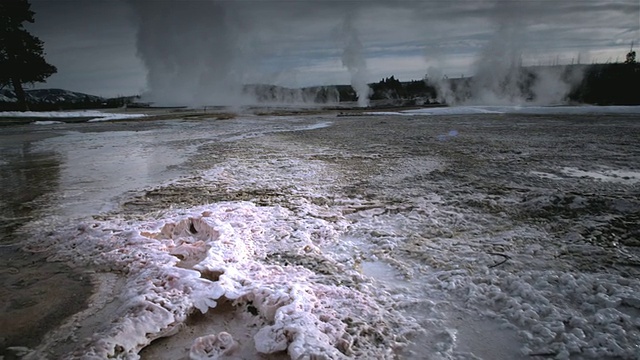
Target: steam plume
<point x="501" y="73"/>
<point x="500" y="77"/>
<point x="191" y="50"/>
<point x="204" y="52"/>
<point x="354" y="61"/>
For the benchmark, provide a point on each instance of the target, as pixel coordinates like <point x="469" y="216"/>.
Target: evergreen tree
<point x="21" y="54"/>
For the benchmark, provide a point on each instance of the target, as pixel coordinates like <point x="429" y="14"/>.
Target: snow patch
<point x="380" y="113"/>
<point x="540" y="110"/>
<point x="95" y="115"/>
<point x="319" y="125"/>
<point x="545" y="175"/>
<point x="47" y="122"/>
<point x="605" y="174"/>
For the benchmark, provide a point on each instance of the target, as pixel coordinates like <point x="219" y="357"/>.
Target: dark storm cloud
<point x="92" y="45"/>
<point x="202" y="50"/>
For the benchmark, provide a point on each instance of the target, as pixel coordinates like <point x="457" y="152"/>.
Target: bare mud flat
<point x="494" y="236"/>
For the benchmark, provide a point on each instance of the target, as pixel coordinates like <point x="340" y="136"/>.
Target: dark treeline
<point x="609" y="84"/>
<point x="414" y="92"/>
<point x="392" y="88"/>
<point x="598" y="84"/>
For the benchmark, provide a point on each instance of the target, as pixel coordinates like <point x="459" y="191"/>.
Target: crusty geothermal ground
<point x="473" y="236"/>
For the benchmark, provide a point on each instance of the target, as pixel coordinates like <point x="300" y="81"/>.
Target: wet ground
<point x="37" y="296"/>
<point x="467" y="221"/>
<point x="63" y="173"/>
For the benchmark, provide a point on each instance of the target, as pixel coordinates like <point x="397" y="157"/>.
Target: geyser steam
<point x="209" y="52"/>
<point x="502" y="78"/>
<point x="354" y="61"/>
<point x="191" y="51"/>
<point x="499" y="75"/>
<point x="503" y="69"/>
<point x="205" y="52"/>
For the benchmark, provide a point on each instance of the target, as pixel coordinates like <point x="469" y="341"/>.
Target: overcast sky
<point x="123" y="47"/>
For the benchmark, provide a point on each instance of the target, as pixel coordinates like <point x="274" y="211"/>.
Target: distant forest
<point x="609" y="84"/>
<point x="598" y="84"/>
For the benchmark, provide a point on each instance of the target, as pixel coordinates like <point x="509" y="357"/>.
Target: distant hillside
<point x="59" y="99"/>
<point x="50" y="99"/>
